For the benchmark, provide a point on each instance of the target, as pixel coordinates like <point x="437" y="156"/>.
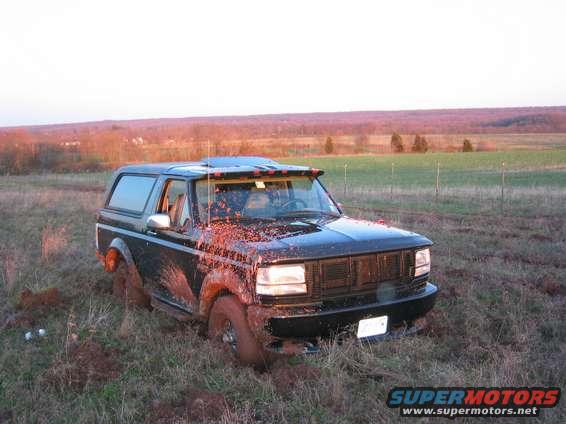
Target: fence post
<point x="502" y="186"/>
<point x="437" y="179"/>
<point x="345" y="179"/>
<point x="392" y="177"/>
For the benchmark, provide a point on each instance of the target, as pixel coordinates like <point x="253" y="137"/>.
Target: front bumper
<point x="326" y="323"/>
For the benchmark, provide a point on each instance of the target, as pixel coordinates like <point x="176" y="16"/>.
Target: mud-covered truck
<point x="261" y="254"/>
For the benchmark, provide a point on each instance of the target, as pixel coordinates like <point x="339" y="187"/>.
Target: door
<point x="171" y="260"/>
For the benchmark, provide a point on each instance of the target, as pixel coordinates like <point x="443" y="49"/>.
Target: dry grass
<point x="498" y="321"/>
<point x="127" y="325"/>
<point x="9" y="271"/>
<point x="53" y="241"/>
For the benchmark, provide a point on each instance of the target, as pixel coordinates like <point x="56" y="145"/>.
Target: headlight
<point x="280" y="280"/>
<point x="422" y="262"/>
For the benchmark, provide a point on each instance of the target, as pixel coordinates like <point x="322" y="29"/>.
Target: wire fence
<point x="501" y="190"/>
<point x="394" y="187"/>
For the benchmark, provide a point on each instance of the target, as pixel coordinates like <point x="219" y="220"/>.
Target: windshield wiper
<point x="246" y="218"/>
<point x="308" y="212"/>
<point x="254" y="218"/>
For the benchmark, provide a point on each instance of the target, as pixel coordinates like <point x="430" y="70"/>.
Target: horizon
<point x="196" y="117"/>
<point x="77" y="61"/>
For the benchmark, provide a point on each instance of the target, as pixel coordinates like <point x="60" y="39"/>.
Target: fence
<point x="496" y="190"/>
<point x="393" y="187"/>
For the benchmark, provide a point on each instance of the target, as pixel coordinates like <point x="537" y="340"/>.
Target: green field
<point x="524" y="169"/>
<point x="533" y="182"/>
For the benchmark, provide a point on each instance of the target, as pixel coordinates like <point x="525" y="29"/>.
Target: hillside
<point x="92" y="146"/>
<point x="440" y="121"/>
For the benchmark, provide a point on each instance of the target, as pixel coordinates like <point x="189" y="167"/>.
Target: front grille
<point x="388" y="266"/>
<point x="355" y="280"/>
<point x="336" y="272"/>
<point x="410" y="288"/>
<point x="312" y="278"/>
<point x="358" y="274"/>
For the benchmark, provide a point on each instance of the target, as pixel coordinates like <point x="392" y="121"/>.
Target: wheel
<point x="125" y="288"/>
<point x="228" y="324"/>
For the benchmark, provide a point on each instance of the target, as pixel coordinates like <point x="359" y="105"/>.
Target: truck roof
<point x="221" y="167"/>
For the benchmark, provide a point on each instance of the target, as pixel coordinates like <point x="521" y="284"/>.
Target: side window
<point x="131" y="193"/>
<point x="174" y="202"/>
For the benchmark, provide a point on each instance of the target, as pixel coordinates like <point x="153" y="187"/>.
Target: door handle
<point x="151" y="233"/>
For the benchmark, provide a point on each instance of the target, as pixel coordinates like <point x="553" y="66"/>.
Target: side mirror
<point x="159" y="221"/>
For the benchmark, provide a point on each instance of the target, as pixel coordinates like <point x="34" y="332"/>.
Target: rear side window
<point x="131" y="193"/>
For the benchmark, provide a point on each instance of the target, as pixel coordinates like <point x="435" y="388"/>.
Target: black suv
<point x="261" y="253"/>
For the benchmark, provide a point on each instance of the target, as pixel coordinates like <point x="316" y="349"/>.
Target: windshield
<point x="271" y="199"/>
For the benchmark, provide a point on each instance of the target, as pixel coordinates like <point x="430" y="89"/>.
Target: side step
<point x="164" y="303"/>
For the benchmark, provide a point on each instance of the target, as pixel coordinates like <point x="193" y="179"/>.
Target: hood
<point x="308" y="238"/>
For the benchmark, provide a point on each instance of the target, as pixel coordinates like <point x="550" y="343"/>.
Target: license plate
<point x="372" y="327"/>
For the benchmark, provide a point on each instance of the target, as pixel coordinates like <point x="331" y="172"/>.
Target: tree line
<point x="420" y="144"/>
<point x="23" y="151"/>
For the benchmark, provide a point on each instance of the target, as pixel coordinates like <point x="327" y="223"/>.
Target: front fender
<point x="121" y="246"/>
<point x="118" y="250"/>
<point x="219" y="281"/>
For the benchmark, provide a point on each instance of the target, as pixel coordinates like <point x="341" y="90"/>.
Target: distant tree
<point x="420" y="144"/>
<point x="50" y="156"/>
<point x="361" y="143"/>
<point x="467" y="146"/>
<point x="397" y="143"/>
<point x="216" y="148"/>
<point x="245" y="148"/>
<point x="329" y="146"/>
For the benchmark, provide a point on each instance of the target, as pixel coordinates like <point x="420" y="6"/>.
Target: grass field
<point x="534" y="182"/>
<point x="499" y="320"/>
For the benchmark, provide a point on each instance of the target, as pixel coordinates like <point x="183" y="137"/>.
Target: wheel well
<point x="220" y="293"/>
<point x="112" y="259"/>
<point x="217" y="295"/>
<point x="118" y="250"/>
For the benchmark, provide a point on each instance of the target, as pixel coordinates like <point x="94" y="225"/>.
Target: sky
<point x="74" y="60"/>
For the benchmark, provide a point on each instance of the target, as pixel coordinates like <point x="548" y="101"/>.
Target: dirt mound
<point x="30" y="301"/>
<point x="86" y="364"/>
<point x="540" y="237"/>
<point x="195" y="405"/>
<point x="552" y="287"/>
<point x="32" y="308"/>
<point x="20" y="319"/>
<point x="286" y="378"/>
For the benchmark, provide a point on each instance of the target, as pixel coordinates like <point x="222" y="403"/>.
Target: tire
<point x="228" y="314"/>
<point x="125" y="289"/>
